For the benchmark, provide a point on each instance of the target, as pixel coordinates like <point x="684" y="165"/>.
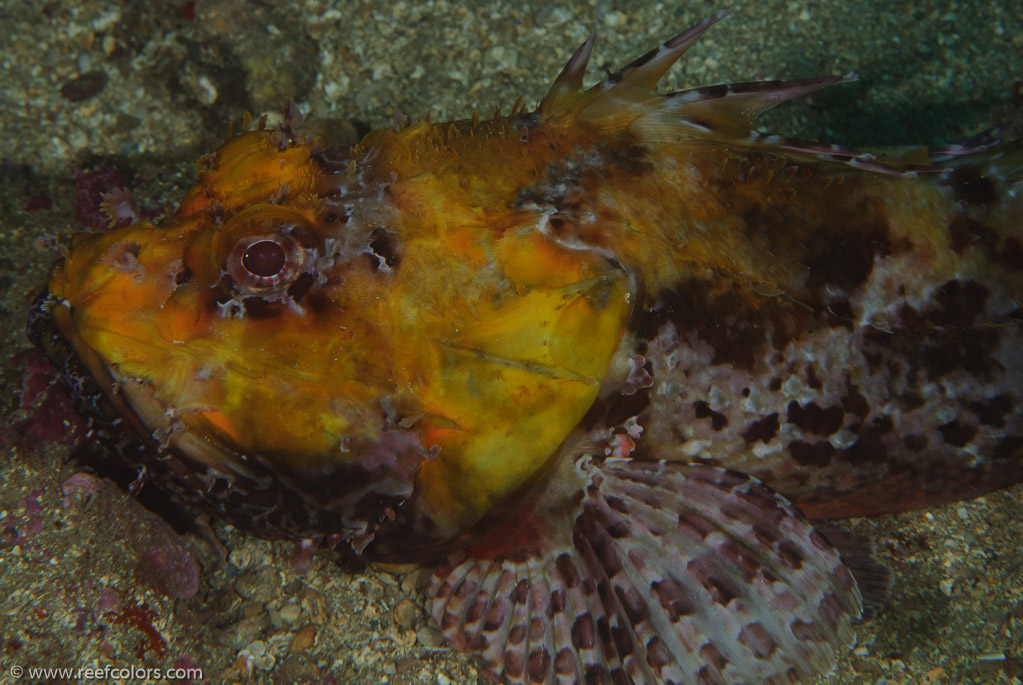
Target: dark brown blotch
<point x="557" y="603"/>
<point x="657" y="654"/>
<point x="755" y="637"/>
<point x="855" y="403"/>
<point x="301" y="287"/>
<point x="514" y="665"/>
<point x="959" y="303"/>
<point x="845" y="259"/>
<point x="916" y="442"/>
<point x="539" y="665"/>
<point x="812" y="454"/>
<point x="384" y="245"/>
<point x="583" y="632"/>
<point x="992" y="412"/>
<point x="964" y="232"/>
<point x="808" y="632"/>
<point x="596" y="674"/>
<point x="517" y="634"/>
<point x="569" y="573"/>
<point x="672" y="599"/>
<point x="1008" y="447"/>
<point x="721" y="590"/>
<point x="1012" y="254"/>
<point x="521" y="592"/>
<point x="971" y="187"/>
<point x="718" y="421"/>
<point x="698" y="526"/>
<point x="742" y="559"/>
<point x="956" y="433"/>
<point x="791" y="555"/>
<point x="713" y="656"/>
<point x="564" y="663"/>
<point x="814" y="419"/>
<point x="635" y="607"/>
<point x="84" y="86"/>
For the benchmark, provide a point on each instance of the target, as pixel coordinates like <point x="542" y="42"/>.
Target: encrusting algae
<point x="606" y="361"/>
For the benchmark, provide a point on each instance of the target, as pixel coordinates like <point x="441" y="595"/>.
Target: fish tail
<point x="662" y="572"/>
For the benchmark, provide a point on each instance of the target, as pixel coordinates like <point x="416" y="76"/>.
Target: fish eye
<point x="266" y="263"/>
<point x="264" y="258"/>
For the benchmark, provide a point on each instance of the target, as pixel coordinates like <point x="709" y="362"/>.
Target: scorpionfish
<point x="610" y="362"/>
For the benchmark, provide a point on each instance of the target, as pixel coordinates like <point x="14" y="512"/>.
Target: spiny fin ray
<point x="570" y="80"/>
<point x="726" y="113"/>
<point x="646" y="71"/>
<point x="672" y="573"/>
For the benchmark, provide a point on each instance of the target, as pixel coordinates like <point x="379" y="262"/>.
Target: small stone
<point x="256" y="648"/>
<point x="264" y="662"/>
<point x="259" y="586"/>
<point x="312" y="603"/>
<point x="243" y="558"/>
<point x="614" y="19"/>
<point x="290" y="613"/>
<point x="84" y="86"/>
<point x="253" y="609"/>
<point x="245" y="631"/>
<point x="406" y="613"/>
<point x="303" y="640"/>
<point x="430" y="637"/>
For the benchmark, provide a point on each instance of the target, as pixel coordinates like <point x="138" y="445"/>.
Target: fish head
<point x="345" y="348"/>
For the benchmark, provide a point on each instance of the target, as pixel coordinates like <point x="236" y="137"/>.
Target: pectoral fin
<point x="638" y="571"/>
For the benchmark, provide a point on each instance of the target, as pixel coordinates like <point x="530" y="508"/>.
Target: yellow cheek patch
<point x="516" y="385"/>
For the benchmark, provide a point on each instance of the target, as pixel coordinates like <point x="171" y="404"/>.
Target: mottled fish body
<point x="606" y="359"/>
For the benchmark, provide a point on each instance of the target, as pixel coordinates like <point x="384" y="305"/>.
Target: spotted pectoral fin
<point x="637" y="571"/>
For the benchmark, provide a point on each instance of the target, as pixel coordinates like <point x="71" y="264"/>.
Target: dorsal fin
<point x="646" y="71"/>
<point x="570" y="80"/>
<point x="641" y="74"/>
<point x="740" y="104"/>
<point x="726" y="113"/>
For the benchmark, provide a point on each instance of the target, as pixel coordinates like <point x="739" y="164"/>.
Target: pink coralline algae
<point x="51" y="417"/>
<point x="162" y="561"/>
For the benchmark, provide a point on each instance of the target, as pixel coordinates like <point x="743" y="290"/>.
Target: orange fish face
<point x="364" y="340"/>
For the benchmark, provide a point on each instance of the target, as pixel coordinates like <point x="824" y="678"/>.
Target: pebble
<point x="304" y="638"/>
<point x="245" y="631"/>
<point x="84" y="86"/>
<point x="312" y="603"/>
<point x="259" y="586"/>
<point x="430" y="637"/>
<point x="290" y="613"/>
<point x="406" y="613"/>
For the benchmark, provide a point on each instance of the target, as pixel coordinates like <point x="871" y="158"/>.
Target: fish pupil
<point x="264" y="258"/>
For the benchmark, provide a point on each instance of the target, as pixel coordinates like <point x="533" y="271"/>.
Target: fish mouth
<point x="247" y="491"/>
